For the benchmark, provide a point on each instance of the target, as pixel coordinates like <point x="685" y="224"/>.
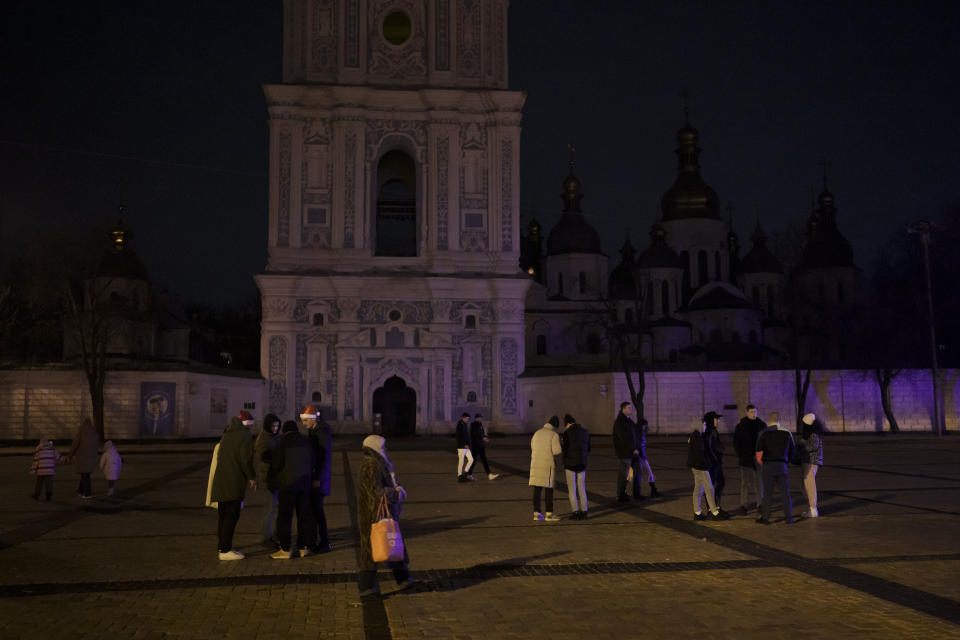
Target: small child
<point x="44" y="464"/>
<point x="110" y="464"/>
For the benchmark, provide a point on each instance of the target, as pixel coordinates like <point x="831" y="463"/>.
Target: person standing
<point x="110" y="464"/>
<point x="44" y="466"/>
<point x="697" y="461"/>
<point x="478" y="447"/>
<point x="575" y="442"/>
<point x="84" y="452"/>
<point x="377" y="479"/>
<point x="464" y="455"/>
<point x="642" y="427"/>
<point x="745" y="444"/>
<point x="775" y="448"/>
<point x="263" y="451"/>
<point x="713" y="447"/>
<point x="321" y="438"/>
<point x="627" y="450"/>
<point x="544" y="451"/>
<point x="292" y="466"/>
<point x="233" y="474"/>
<point x="811" y="455"/>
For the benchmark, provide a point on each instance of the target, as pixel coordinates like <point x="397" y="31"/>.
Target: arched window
<point x="560" y="283"/>
<point x="702" y="275"/>
<point x="316" y="397"/>
<point x="541" y="345"/>
<point x="687" y="268"/>
<point x="471" y="396"/>
<point x="318" y="319"/>
<point x="471" y="322"/>
<point x="665" y="298"/>
<point x="649" y="302"/>
<point x="583" y="281"/>
<point x="396" y="218"/>
<point x="395" y="337"/>
<point x="770" y="300"/>
<point x="716" y="259"/>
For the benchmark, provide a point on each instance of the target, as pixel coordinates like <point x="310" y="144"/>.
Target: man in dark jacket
<point x="745" y="444"/>
<point x="697" y="460"/>
<point x="464" y="455"/>
<point x="292" y="465"/>
<point x="713" y="448"/>
<point x="478" y="447"/>
<point x="575" y="441"/>
<point x="775" y="448"/>
<point x="234" y="474"/>
<point x="627" y="450"/>
<point x="262" y="451"/>
<point x="321" y="440"/>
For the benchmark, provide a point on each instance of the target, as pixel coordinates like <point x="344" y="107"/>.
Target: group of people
<point x="85" y="454"/>
<point x="292" y="469"/>
<point x="764" y="451"/>
<point x="471" y="446"/>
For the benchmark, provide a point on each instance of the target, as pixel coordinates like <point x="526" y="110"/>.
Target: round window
<point x="394" y="315"/>
<point x="397" y="28"/>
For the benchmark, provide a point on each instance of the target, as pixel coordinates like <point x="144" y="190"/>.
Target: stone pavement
<point x="881" y="561"/>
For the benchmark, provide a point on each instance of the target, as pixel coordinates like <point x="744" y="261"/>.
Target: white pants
<point x="577" y="489"/>
<point x="464" y="461"/>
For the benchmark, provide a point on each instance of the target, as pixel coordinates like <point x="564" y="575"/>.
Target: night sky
<point x="158" y="104"/>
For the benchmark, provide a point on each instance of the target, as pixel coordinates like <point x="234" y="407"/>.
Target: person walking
<point x="263" y="448"/>
<point x="292" y="466"/>
<point x="713" y="447"/>
<point x="377" y="479"/>
<point x="44" y="466"/>
<point x="627" y="450"/>
<point x="464" y="455"/>
<point x="233" y="474"/>
<point x="110" y="464"/>
<point x="811" y="447"/>
<point x="697" y="461"/>
<point x="321" y="439"/>
<point x="84" y="453"/>
<point x="478" y="447"/>
<point x="642" y="427"/>
<point x="544" y="451"/>
<point x="775" y="448"/>
<point x="745" y="444"/>
<point x="575" y="442"/>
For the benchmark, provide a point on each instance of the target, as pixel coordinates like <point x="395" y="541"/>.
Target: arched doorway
<point x="397" y="405"/>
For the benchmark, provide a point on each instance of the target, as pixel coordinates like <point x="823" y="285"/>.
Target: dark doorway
<point x="397" y="405"/>
<point x="396" y="221"/>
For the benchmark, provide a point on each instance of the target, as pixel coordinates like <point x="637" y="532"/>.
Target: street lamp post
<point x="923" y="229"/>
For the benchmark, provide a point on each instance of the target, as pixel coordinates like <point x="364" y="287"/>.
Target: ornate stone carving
<point x="506" y="195"/>
<point x="441" y="309"/>
<point x="351" y="34"/>
<point x="323" y="30"/>
<point x="483" y="308"/>
<point x="283" y="212"/>
<point x="348" y="394"/>
<point x="402" y="61"/>
<point x="276" y="309"/>
<point x="508" y="376"/>
<point x="377" y="311"/>
<point x="443" y="169"/>
<point x="509" y="310"/>
<point x="443" y="35"/>
<point x="378" y="129"/>
<point x="397" y="366"/>
<point x="277" y="370"/>
<point x="347" y="309"/>
<point x="300" y="365"/>
<point x="349" y="189"/>
<point x="438" y="394"/>
<point x="473" y="240"/>
<point x="468" y="38"/>
<point x="300" y="310"/>
<point x="318" y="131"/>
<point x="315" y="238"/>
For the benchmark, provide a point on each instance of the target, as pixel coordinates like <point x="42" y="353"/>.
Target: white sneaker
<point x="280" y="554"/>
<point x="549" y="517"/>
<point x="493" y="476"/>
<point x="231" y="555"/>
<point x="813" y="513"/>
<point x="537" y="516"/>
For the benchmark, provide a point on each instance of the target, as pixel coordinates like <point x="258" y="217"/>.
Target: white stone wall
<point x="54" y="402"/>
<point x="846" y="401"/>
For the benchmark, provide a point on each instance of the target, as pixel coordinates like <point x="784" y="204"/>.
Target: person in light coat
<point x="110" y="464"/>
<point x="544" y="451"/>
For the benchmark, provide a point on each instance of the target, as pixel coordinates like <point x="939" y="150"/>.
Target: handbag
<point x="386" y="542"/>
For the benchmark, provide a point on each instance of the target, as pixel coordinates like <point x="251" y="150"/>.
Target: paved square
<point x="881" y="561"/>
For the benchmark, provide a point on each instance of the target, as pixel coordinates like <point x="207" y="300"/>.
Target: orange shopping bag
<point x="385" y="539"/>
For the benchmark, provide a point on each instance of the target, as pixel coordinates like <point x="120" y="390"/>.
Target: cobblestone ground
<point x="882" y="561"/>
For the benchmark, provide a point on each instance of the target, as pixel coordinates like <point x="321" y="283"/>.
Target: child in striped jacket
<point x="45" y="459"/>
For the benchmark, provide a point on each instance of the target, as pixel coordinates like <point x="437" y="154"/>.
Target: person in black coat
<point x="292" y="465"/>
<point x="575" y="441"/>
<point x="478" y="447"/>
<point x="464" y="455"/>
<point x="775" y="448"/>
<point x="698" y="459"/>
<point x="713" y="449"/>
<point x="321" y="439"/>
<point x="627" y="450"/>
<point x="745" y="444"/>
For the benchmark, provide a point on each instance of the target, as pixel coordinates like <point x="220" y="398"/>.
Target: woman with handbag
<point x="379" y="497"/>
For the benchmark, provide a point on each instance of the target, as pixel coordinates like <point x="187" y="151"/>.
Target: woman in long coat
<point x="811" y="455"/>
<point x="84" y="452"/>
<point x="378" y="479"/>
<point x="544" y="449"/>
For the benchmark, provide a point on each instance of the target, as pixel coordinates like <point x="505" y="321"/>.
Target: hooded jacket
<point x="45" y="458"/>
<point x="576" y="445"/>
<point x="110" y="462"/>
<point x="234" y="464"/>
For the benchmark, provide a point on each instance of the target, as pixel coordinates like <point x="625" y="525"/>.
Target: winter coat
<point x="575" y="442"/>
<point x="84" y="450"/>
<point x="463" y="435"/>
<point x="45" y="459"/>
<point x="544" y="449"/>
<point x="696" y="457"/>
<point x="745" y="440"/>
<point x="321" y="439"/>
<point x="263" y="448"/>
<point x="812" y="449"/>
<point x="477" y="434"/>
<point x="624" y="437"/>
<point x="713" y="447"/>
<point x="373" y="481"/>
<point x="234" y="464"/>
<point x="292" y="462"/>
<point x="110" y="462"/>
